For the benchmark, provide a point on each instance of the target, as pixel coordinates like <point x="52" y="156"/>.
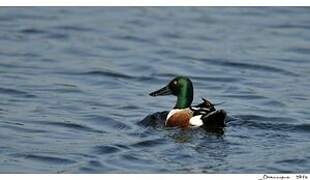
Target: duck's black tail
<point x="215" y="119"/>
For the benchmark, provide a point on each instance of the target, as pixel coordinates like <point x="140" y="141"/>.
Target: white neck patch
<point x="172" y="112"/>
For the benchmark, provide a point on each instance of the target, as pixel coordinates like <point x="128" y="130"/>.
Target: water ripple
<point x="218" y="78"/>
<point x="302" y="127"/>
<point x="148" y="143"/>
<point x="138" y="39"/>
<point x="108" y="74"/>
<point x="300" y="50"/>
<point x="16" y="92"/>
<point x="267" y="123"/>
<point x="71" y="125"/>
<point x="250" y="66"/>
<point x="105" y="149"/>
<point x="291" y="26"/>
<point x="32" y="31"/>
<point x="45" y="158"/>
<point x="21" y="128"/>
<point x="245" y="96"/>
<point x="106" y="121"/>
<point x="74" y="28"/>
<point x="112" y="74"/>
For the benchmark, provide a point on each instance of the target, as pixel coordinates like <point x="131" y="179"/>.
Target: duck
<point x="183" y="114"/>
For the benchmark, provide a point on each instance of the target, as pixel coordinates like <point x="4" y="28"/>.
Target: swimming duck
<point x="184" y="115"/>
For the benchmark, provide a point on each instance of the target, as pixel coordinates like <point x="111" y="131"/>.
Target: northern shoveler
<point x="184" y="115"/>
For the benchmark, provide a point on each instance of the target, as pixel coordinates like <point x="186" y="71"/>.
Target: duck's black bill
<point x="162" y="92"/>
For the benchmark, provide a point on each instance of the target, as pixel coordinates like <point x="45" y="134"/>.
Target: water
<point x="74" y="85"/>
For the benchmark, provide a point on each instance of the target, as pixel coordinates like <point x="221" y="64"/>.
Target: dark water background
<point x="74" y="83"/>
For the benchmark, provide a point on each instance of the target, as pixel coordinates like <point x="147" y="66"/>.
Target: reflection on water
<point x="74" y="86"/>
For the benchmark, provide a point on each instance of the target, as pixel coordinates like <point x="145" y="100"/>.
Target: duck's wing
<point x="156" y="120"/>
<point x="203" y="108"/>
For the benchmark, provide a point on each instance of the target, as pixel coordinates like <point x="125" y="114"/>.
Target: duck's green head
<point x="181" y="87"/>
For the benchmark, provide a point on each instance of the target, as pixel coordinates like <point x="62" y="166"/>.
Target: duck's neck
<point x="185" y="99"/>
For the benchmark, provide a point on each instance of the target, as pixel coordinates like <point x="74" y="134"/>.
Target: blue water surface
<point x="74" y="85"/>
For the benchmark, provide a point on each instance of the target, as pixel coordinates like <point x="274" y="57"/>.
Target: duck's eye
<point x="175" y="82"/>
